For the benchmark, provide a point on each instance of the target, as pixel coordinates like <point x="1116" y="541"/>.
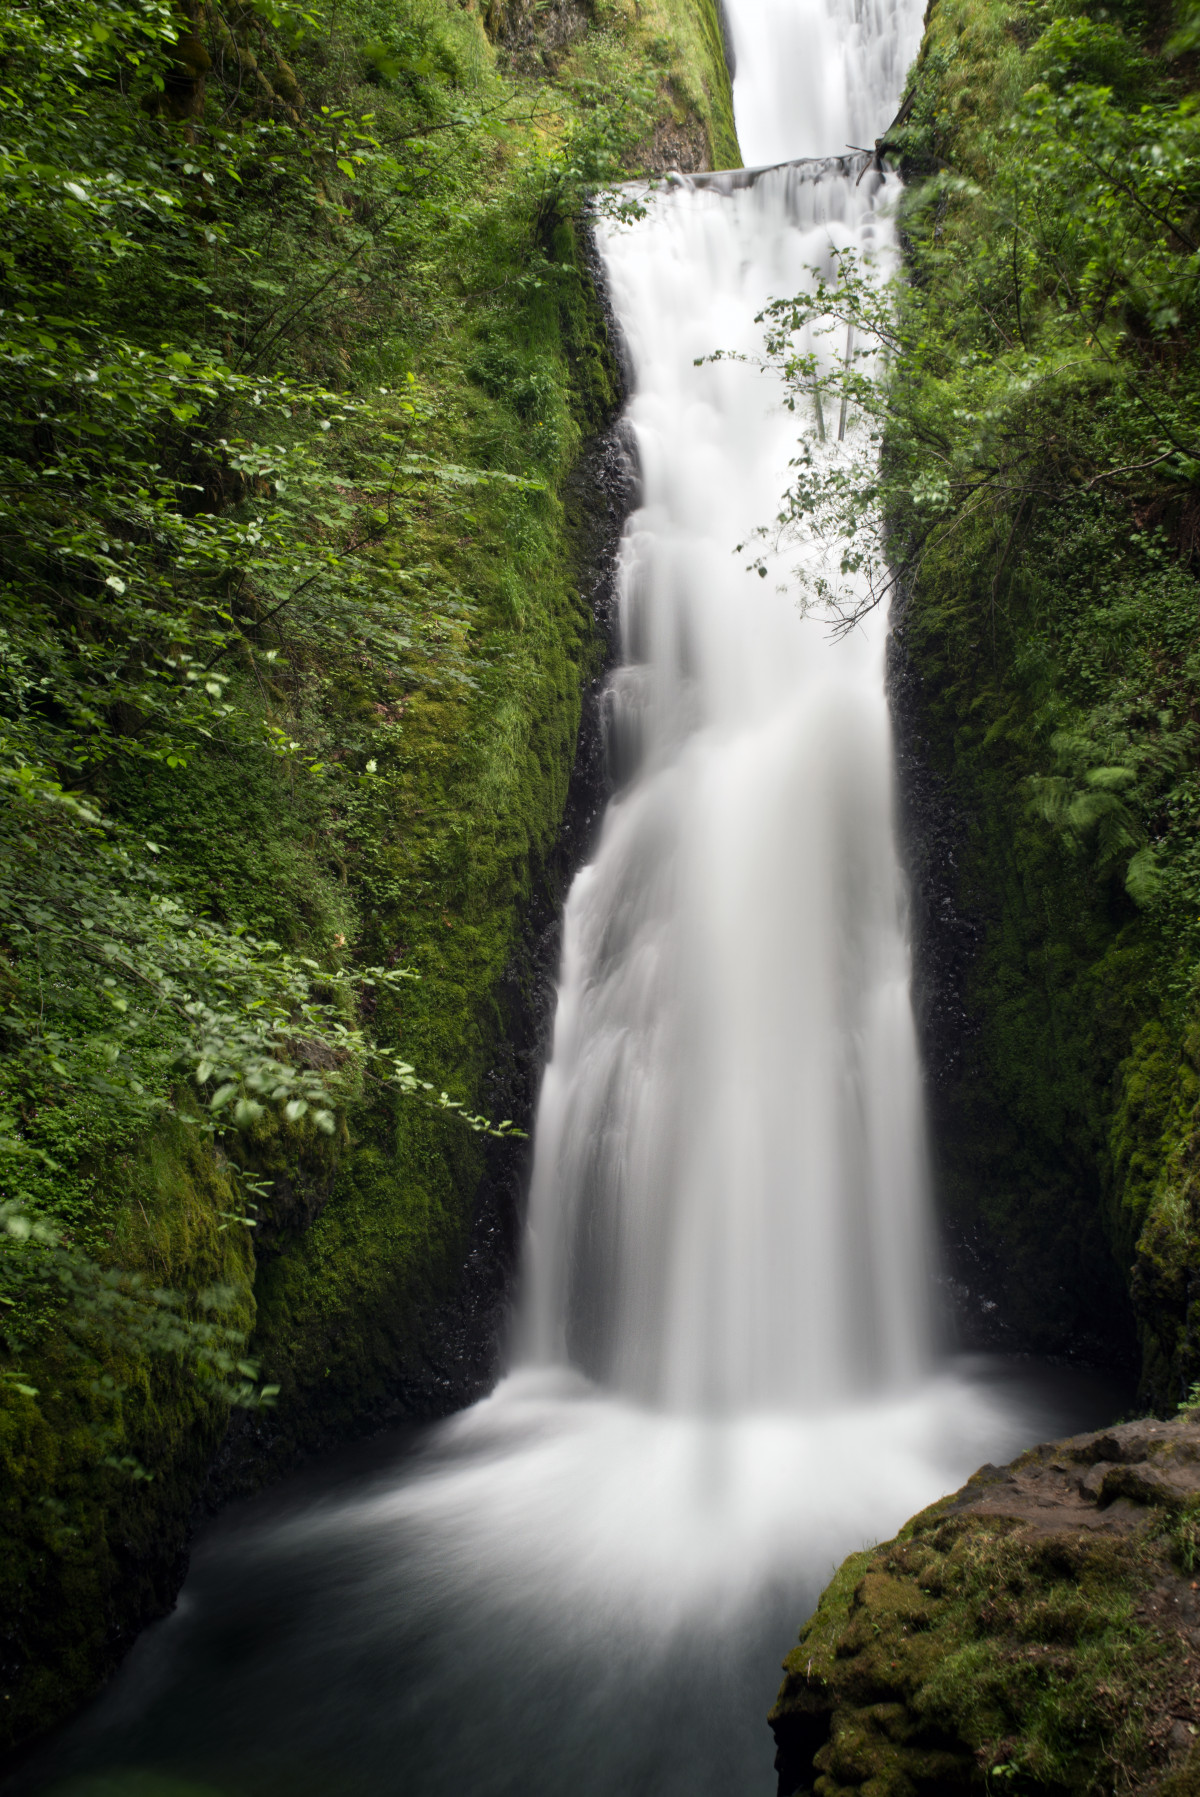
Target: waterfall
<point x="723" y="1376"/>
<point x="728" y="1203"/>
<point x="816" y="76"/>
<point x="724" y="1372"/>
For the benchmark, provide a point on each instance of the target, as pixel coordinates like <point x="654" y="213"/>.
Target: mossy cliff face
<point x="91" y="1546"/>
<point x="1037" y="1631"/>
<point x="1047" y="674"/>
<point x="368" y="1265"/>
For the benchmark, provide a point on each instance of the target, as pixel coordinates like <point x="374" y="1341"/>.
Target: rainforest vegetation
<point x="299" y="351"/>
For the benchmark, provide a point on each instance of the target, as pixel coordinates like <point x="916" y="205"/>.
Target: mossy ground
<point x="1035" y="1632"/>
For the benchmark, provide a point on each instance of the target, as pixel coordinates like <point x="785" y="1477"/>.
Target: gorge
<point x="726" y="1369"/>
<point x="730" y="1362"/>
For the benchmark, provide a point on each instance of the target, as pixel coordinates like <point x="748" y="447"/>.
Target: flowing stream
<point x="726" y="1374"/>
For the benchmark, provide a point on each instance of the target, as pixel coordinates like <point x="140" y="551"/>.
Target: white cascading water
<point x="728" y="1202"/>
<point x="724" y="1370"/>
<point x="814" y="77"/>
<point x="728" y="1205"/>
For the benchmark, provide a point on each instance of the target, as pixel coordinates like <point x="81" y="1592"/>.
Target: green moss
<point x="443" y="771"/>
<point x="1052" y="632"/>
<point x="694" y="27"/>
<point x="970" y="1654"/>
<point x="1183" y="1783"/>
<point x="82" y="1528"/>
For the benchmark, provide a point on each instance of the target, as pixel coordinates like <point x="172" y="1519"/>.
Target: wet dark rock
<point x="1016" y="1275"/>
<point x="465" y="1337"/>
<point x="946" y="940"/>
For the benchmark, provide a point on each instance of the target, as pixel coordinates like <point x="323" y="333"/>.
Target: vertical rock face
<point x="1054" y="898"/>
<point x="1040" y="1627"/>
<point x="1015" y="1276"/>
<point x="946" y="940"/>
<point x="458" y="1339"/>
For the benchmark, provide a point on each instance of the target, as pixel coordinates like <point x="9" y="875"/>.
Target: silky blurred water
<point x="729" y="1205"/>
<point x="555" y="1592"/>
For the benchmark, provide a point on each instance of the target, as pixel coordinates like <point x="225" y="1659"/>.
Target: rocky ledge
<point x="1037" y="1631"/>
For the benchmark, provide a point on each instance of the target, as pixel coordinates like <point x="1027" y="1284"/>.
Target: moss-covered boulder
<point x="1037" y="1631"/>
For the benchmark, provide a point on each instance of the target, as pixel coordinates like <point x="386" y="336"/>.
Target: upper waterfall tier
<point x="816" y="75"/>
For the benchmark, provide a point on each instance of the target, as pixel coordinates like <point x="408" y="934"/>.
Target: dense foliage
<point x="163" y="503"/>
<point x="175" y="508"/>
<point x="299" y="352"/>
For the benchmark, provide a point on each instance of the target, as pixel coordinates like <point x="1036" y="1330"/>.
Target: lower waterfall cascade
<point x="728" y="1204"/>
<point x="726" y="1371"/>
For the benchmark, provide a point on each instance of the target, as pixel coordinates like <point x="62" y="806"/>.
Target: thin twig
<point x="1130" y="468"/>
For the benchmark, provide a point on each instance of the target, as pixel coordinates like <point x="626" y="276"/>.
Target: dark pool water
<point x="551" y="1596"/>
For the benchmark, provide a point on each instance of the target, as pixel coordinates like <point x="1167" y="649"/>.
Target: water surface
<point x="436" y="1613"/>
